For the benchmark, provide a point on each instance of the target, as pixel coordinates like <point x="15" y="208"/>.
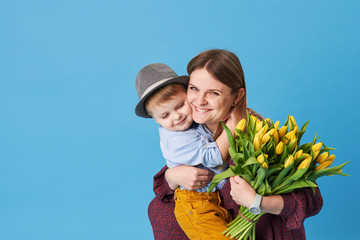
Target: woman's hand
<point x="243" y="194"/>
<point x="189" y="177"/>
<point x="241" y="191"/>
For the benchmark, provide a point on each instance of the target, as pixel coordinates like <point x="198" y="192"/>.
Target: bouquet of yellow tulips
<point x="273" y="162"/>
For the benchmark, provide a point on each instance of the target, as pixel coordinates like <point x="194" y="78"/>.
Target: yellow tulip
<point x="258" y="125"/>
<point x="257" y="142"/>
<point x="241" y="124"/>
<point x="323" y="165"/>
<point x="276" y="125"/>
<point x="293" y="139"/>
<point x="294" y="142"/>
<point x="265" y="165"/>
<point x="254" y="118"/>
<point x="257" y="121"/>
<point x="306" y="154"/>
<point x="279" y="148"/>
<point x="263" y="130"/>
<point x="267" y="137"/>
<point x="296" y="129"/>
<point x="305" y="163"/>
<point x="282" y="131"/>
<point x="316" y="154"/>
<point x="292" y="122"/>
<point x="276" y="136"/>
<point x="331" y="158"/>
<point x="288" y="136"/>
<point x="260" y="159"/>
<point x="316" y="147"/>
<point x="289" y="161"/>
<point x="322" y="158"/>
<point x="298" y="153"/>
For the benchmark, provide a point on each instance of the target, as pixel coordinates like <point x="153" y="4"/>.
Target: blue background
<point x="75" y="161"/>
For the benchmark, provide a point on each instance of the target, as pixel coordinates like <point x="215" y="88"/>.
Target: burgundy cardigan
<point x="298" y="205"/>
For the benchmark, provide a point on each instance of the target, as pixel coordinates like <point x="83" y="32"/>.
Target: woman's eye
<point x="193" y="88"/>
<point x="215" y="93"/>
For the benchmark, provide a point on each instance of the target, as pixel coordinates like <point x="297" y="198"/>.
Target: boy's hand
<point x="189" y="177"/>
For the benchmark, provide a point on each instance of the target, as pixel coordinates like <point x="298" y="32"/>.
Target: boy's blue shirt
<point x="195" y="147"/>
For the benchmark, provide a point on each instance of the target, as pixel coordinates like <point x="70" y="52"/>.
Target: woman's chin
<point x="199" y="119"/>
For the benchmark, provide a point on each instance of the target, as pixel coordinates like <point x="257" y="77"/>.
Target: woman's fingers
<point x="238" y="179"/>
<point x="241" y="191"/>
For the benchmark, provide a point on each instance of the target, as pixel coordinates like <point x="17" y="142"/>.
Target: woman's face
<point x="209" y="98"/>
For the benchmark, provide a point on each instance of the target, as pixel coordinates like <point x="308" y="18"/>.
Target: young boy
<point x="162" y="96"/>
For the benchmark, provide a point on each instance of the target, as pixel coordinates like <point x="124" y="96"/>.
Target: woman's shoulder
<point x="254" y="113"/>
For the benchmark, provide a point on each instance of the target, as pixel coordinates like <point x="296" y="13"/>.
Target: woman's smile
<point x="200" y="109"/>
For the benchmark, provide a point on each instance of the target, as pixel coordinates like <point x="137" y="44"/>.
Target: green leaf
<point x="246" y="152"/>
<point x="296" y="185"/>
<point x="246" y="177"/>
<point x="237" y="170"/>
<point x="272" y="170"/>
<point x="326" y="149"/>
<point x="229" y="136"/>
<point x="289" y="180"/>
<point x="267" y="188"/>
<point x="219" y="177"/>
<point x="250" y="161"/>
<point x="261" y="174"/>
<point x="281" y="176"/>
<point x="238" y="158"/>
<point x="306" y="147"/>
<point x="327" y="172"/>
<point x="284" y="155"/>
<point x="261" y="189"/>
<point x="302" y="131"/>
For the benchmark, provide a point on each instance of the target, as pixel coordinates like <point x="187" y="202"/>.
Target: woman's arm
<point x="294" y="206"/>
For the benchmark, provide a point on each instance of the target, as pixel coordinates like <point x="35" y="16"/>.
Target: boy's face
<point x="174" y="114"/>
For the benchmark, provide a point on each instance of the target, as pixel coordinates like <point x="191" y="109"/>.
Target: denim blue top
<point x="195" y="147"/>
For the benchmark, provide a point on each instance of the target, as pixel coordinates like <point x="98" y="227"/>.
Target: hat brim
<point x="140" y="107"/>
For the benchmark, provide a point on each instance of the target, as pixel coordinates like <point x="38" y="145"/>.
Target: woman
<point x="216" y="88"/>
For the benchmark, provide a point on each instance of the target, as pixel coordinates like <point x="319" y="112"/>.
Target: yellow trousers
<point x="200" y="215"/>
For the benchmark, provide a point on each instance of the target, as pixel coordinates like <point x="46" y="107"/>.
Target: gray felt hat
<point x="152" y="77"/>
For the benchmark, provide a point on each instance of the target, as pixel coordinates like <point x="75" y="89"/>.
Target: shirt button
<point x="190" y="212"/>
<point x="204" y="146"/>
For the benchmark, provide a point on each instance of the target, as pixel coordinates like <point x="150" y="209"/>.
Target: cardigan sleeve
<point x="161" y="187"/>
<point x="300" y="204"/>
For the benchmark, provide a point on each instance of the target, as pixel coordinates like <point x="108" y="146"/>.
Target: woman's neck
<point x="212" y="127"/>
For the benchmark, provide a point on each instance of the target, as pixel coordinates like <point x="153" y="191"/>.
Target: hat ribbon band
<point x="155" y="85"/>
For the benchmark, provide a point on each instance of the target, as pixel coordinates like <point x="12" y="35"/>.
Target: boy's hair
<point x="162" y="95"/>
